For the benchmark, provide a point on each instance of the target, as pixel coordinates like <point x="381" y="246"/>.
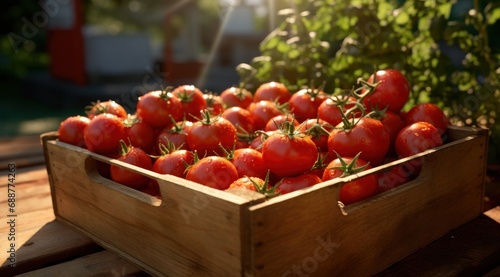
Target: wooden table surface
<point x="45" y="247"/>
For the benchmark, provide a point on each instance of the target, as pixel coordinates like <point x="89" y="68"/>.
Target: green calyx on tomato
<point x="131" y="120"/>
<point x="124" y="148"/>
<point x="167" y="148"/>
<point x="349" y="168"/>
<point x="288" y="128"/>
<point x="265" y="189"/>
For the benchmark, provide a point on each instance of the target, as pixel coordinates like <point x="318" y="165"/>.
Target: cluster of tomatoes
<point x="271" y="141"/>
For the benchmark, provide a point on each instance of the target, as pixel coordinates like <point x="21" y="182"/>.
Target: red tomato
<point x="193" y="102"/>
<point x="392" y="123"/>
<point x="331" y="109"/>
<point x="152" y="189"/>
<point x="289" y="184"/>
<point x="213" y="171"/>
<point x="259" y="139"/>
<point x="392" y="91"/>
<point x="214" y="103"/>
<point x="358" y="189"/>
<point x="430" y="113"/>
<point x="174" y="163"/>
<point x="319" y="130"/>
<point x="71" y="130"/>
<point x="158" y="109"/>
<point x="249" y="162"/>
<point x="416" y="138"/>
<point x="140" y="134"/>
<point x="103" y="134"/>
<point x="277" y="122"/>
<point x="272" y="91"/>
<point x="394" y="177"/>
<point x="241" y="118"/>
<point x="175" y="135"/>
<point x="247" y="183"/>
<point x="367" y="136"/>
<point x="304" y="103"/>
<point x="262" y="112"/>
<point x="210" y="134"/>
<point x="236" y="97"/>
<point x="134" y="156"/>
<point x="287" y="153"/>
<point x="106" y="107"/>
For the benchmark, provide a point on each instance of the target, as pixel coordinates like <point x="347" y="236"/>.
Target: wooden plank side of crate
<point x="306" y="233"/>
<point x="195" y="231"/>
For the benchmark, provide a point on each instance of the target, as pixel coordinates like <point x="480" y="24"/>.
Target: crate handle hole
<point x="99" y="171"/>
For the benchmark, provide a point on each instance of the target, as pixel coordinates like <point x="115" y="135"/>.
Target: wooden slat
<point x="50" y="244"/>
<point x="103" y="263"/>
<point x="373" y="234"/>
<point x="39" y="240"/>
<point x="24" y="151"/>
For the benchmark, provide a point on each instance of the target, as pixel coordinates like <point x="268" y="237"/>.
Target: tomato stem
<point x="349" y="168"/>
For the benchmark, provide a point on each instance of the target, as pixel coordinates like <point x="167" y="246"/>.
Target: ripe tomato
<point x="247" y="183"/>
<point x="139" y="133"/>
<point x="304" y="103"/>
<point x="288" y="152"/>
<point x="358" y="189"/>
<point x="367" y="136"/>
<point x="331" y="109"/>
<point x="272" y="91"/>
<point x="236" y="97"/>
<point x="241" y="118"/>
<point x="109" y="106"/>
<point x="152" y="189"/>
<point x="392" y="91"/>
<point x="394" y="177"/>
<point x="430" y="113"/>
<point x="174" y="163"/>
<point x="319" y="130"/>
<point x="158" y="108"/>
<point x="71" y="130"/>
<point x="259" y="139"/>
<point x="175" y="135"/>
<point x="134" y="156"/>
<point x="262" y="112"/>
<point x="103" y="134"/>
<point x="249" y="162"/>
<point x="277" y="122"/>
<point x="210" y="134"/>
<point x="213" y="171"/>
<point x="393" y="123"/>
<point x="416" y="138"/>
<point x="193" y="102"/>
<point x="289" y="184"/>
<point x="214" y="103"/>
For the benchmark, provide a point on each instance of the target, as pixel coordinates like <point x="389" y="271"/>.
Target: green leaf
<point x="493" y="15"/>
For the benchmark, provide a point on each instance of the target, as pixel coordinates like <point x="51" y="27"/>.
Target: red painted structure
<point x="66" y="47"/>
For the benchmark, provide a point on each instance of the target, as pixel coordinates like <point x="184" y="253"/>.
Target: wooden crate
<point x="194" y="230"/>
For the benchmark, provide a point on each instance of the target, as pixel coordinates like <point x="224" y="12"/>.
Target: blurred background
<point x="57" y="56"/>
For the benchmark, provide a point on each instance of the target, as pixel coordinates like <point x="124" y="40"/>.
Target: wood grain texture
<point x="39" y="240"/>
<point x="198" y="231"/>
<point x="193" y="231"/>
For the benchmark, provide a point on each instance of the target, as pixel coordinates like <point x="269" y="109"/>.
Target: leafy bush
<point x="447" y="50"/>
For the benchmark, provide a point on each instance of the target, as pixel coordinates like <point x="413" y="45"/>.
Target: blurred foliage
<point x="22" y="42"/>
<point x="449" y="51"/>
